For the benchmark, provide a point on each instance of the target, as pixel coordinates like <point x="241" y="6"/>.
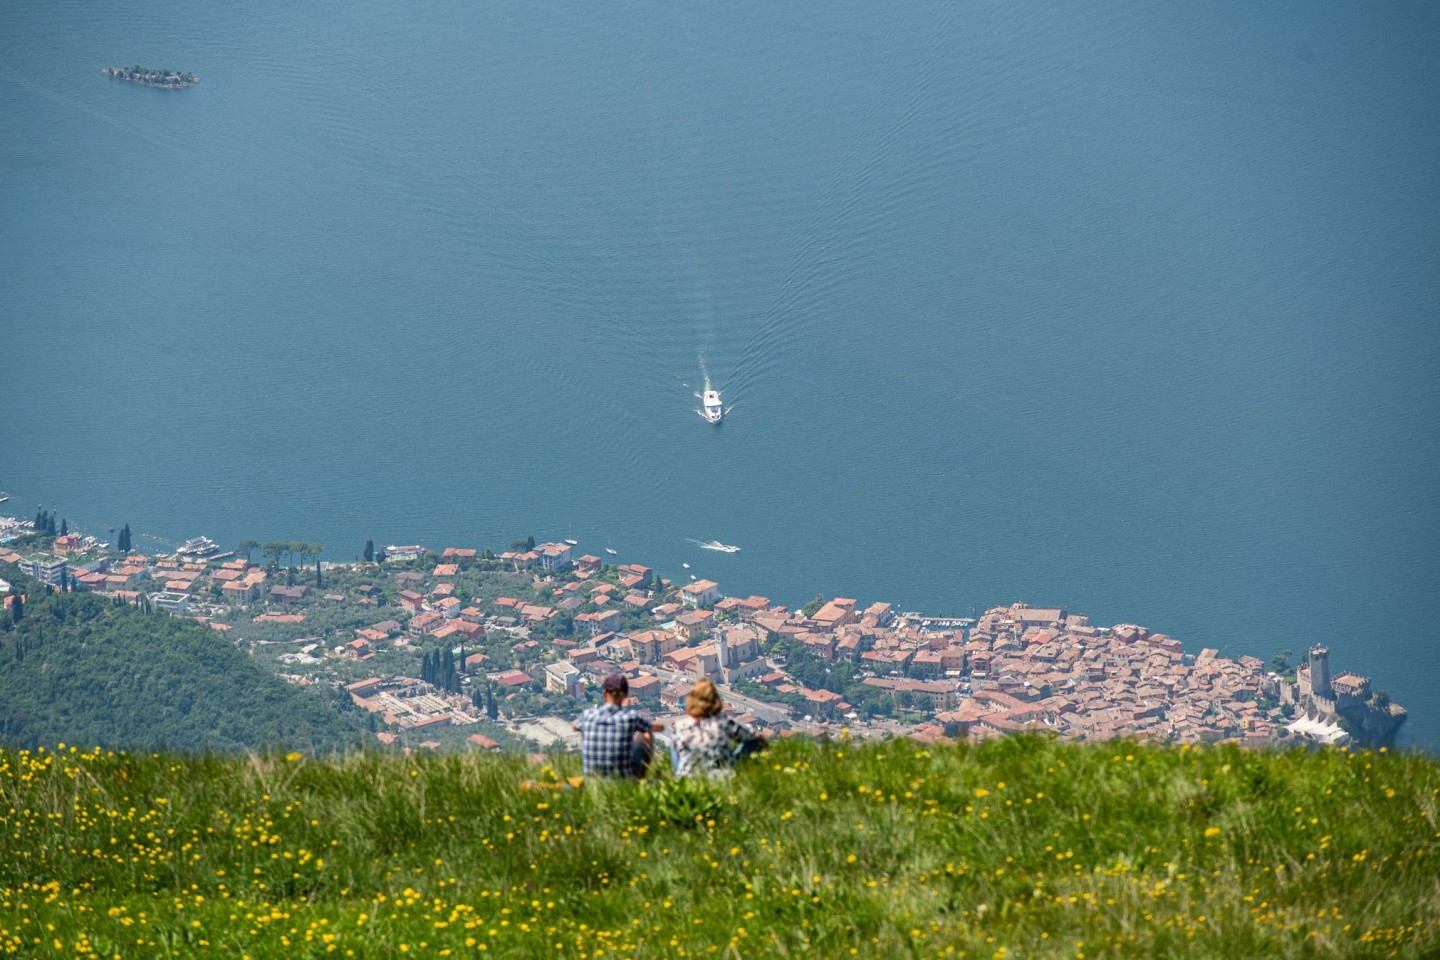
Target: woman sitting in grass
<point x="706" y="742"/>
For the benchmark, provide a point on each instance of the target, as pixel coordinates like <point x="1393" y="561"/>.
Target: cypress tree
<point x="17" y="609"/>
<point x="369" y="552"/>
<point x="319" y="581"/>
<point x="64" y="527"/>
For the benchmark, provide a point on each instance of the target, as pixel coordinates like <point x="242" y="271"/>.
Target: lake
<point x="1133" y="309"/>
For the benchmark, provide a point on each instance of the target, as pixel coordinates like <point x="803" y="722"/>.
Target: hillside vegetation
<point x="78" y="668"/>
<point x="1022" y="847"/>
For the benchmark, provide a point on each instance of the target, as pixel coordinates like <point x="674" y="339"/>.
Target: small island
<point x="166" y="79"/>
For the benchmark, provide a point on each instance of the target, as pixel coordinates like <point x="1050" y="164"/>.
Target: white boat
<point x="198" y="547"/>
<point x="714" y="411"/>
<point x="610" y="550"/>
<point x="4" y="496"/>
<point x="572" y="542"/>
<point x="685" y="565"/>
<point x="716" y="545"/>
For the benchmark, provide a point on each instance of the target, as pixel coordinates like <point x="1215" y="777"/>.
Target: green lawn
<point x="1023" y="847"/>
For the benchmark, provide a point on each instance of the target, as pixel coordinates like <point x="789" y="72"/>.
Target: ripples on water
<point x="1129" y="310"/>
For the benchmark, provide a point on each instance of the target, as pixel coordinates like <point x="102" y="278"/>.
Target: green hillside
<point x="78" y="668"/>
<point x="1022" y="847"/>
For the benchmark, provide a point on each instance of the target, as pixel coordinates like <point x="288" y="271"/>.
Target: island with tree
<point x="150" y="77"/>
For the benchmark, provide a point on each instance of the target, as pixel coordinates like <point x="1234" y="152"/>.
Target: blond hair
<point x="704" y="699"/>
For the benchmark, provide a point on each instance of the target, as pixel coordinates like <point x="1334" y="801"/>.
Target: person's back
<point x="704" y="741"/>
<point x="615" y="739"/>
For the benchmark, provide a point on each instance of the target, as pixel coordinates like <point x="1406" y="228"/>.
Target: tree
<point x="49" y="524"/>
<point x="319" y="581"/>
<point x="380" y="555"/>
<point x="491" y="711"/>
<point x="64" y="527"/>
<point x="1280" y="663"/>
<point x="369" y="552"/>
<point x="244" y="546"/>
<point x="123" y="541"/>
<point x="273" y="551"/>
<point x="17" y="608"/>
<point x="810" y="608"/>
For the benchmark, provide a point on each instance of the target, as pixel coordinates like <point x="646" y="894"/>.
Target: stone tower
<point x="722" y="651"/>
<point x="1320" y="672"/>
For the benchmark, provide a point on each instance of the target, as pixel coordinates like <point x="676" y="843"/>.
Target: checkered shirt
<point x="606" y="733"/>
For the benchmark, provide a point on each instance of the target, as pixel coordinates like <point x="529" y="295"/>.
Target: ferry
<point x="198" y="547"/>
<point x="714" y="411"/>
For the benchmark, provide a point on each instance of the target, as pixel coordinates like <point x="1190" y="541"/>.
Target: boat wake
<point x="714" y="545"/>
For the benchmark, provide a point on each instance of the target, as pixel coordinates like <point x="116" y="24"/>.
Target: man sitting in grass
<point x="616" y="740"/>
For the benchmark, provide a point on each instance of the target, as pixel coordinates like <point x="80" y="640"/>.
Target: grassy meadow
<point x="1022" y="847"/>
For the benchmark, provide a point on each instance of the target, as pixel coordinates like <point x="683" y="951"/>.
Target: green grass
<point x="1023" y="847"/>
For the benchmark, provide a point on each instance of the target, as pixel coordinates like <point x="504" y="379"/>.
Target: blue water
<point x="1134" y="310"/>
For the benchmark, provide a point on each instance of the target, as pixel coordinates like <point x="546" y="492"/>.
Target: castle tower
<point x="1320" y="672"/>
<point x="722" y="651"/>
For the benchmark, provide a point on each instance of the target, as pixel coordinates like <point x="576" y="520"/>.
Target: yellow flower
<point x="1212" y="831"/>
<point x="981" y="792"/>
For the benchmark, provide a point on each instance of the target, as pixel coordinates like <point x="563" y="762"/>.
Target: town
<point x="469" y="647"/>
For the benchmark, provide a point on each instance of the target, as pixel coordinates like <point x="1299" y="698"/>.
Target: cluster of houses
<point x="1015" y="668"/>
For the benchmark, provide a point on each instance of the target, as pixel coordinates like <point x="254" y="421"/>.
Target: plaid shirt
<point x="607" y="731"/>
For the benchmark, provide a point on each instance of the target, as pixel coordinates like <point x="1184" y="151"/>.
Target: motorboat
<point x="716" y="545"/>
<point x="572" y="542"/>
<point x="714" y="410"/>
<point x="611" y="551"/>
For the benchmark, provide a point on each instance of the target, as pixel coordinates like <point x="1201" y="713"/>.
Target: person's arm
<point x="746" y="733"/>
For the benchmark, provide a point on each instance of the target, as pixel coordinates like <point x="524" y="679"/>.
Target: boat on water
<point x="572" y="542"/>
<point x="198" y="547"/>
<point x="4" y="496"/>
<point x="610" y="550"/>
<point x="714" y="410"/>
<point x="716" y="545"/>
<point x="685" y="565"/>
